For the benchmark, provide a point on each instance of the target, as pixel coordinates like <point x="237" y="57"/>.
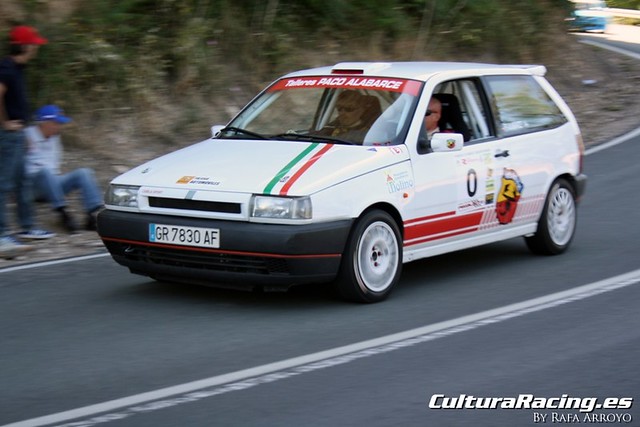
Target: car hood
<point x="262" y="167"/>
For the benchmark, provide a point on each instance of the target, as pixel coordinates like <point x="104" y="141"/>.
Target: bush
<point x="135" y="57"/>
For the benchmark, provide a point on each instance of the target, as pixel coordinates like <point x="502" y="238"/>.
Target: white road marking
<point x="247" y="378"/>
<point x="612" y="48"/>
<point x="53" y="262"/>
<point x="616" y="141"/>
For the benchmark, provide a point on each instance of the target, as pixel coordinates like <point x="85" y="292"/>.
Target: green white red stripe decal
<point x="288" y="175"/>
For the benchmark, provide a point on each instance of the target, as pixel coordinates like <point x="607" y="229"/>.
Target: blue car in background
<point x="588" y="15"/>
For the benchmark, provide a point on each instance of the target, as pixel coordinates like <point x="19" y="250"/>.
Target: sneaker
<point x="35" y="234"/>
<point x="92" y="222"/>
<point x="67" y="221"/>
<point x="92" y="218"/>
<point x="10" y="248"/>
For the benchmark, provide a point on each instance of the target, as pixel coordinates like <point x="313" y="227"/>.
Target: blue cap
<point x="52" y="112"/>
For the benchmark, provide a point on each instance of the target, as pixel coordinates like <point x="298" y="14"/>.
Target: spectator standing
<point x="24" y="42"/>
<point x="43" y="162"/>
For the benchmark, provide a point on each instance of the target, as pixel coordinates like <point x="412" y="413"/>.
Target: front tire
<point x="557" y="224"/>
<point x="372" y="260"/>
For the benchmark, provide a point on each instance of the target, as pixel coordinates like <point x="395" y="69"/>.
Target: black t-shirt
<point x="15" y="98"/>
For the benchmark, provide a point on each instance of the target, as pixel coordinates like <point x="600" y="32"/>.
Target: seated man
<point x="43" y="169"/>
<point x="450" y="117"/>
<point x="434" y="111"/>
<point x="349" y="124"/>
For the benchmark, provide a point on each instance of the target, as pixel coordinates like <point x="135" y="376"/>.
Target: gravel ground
<point x="601" y="87"/>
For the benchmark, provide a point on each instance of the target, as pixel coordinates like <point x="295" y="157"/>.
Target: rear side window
<point x="521" y="105"/>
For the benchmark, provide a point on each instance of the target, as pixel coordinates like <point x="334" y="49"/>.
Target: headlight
<point x="281" y="207"/>
<point x="122" y="195"/>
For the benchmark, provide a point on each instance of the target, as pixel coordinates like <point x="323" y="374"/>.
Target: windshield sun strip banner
<point x="411" y="87"/>
<point x="303" y="169"/>
<point x="283" y="172"/>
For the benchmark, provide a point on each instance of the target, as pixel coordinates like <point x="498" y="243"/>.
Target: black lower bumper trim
<point x="580" y="185"/>
<point x="252" y="253"/>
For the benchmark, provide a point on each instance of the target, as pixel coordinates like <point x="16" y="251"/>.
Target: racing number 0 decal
<point x="473" y="172"/>
<point x="472" y="182"/>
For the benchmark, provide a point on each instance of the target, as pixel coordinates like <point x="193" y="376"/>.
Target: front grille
<point x="201" y="260"/>
<point x="195" y="205"/>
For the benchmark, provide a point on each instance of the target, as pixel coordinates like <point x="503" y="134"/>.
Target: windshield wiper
<point x="243" y="131"/>
<point x="311" y="137"/>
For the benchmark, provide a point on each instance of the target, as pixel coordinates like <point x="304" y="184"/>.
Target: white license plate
<point x="186" y="236"/>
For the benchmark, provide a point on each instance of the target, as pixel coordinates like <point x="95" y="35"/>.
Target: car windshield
<point x="340" y="109"/>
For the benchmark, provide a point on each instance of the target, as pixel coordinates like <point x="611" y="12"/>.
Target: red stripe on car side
<point x="428" y="218"/>
<point x="452" y="224"/>
<point x="432" y="238"/>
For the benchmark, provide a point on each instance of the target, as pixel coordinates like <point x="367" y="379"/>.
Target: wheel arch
<point x="551" y="236"/>
<point x="570" y="179"/>
<point x="567" y="177"/>
<point x="371" y="280"/>
<point x="388" y="208"/>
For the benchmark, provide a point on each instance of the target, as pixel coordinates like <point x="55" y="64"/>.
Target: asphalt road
<point x="86" y="343"/>
<point x="82" y="333"/>
<point x="624" y="37"/>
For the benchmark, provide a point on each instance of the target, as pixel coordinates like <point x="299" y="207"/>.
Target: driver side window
<point x="463" y="109"/>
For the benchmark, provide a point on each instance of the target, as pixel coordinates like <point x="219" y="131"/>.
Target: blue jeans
<point x="53" y="188"/>
<point x="13" y="179"/>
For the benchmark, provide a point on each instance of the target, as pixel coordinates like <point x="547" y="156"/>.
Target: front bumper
<point x="250" y="253"/>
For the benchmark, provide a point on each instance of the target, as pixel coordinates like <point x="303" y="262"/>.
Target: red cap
<point x="23" y="34"/>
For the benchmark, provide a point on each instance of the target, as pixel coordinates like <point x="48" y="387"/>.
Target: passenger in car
<point x="349" y="124"/>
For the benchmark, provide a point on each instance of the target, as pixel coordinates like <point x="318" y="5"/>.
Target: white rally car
<point x="289" y="192"/>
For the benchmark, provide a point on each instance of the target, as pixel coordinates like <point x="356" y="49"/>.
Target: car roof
<point x="417" y="70"/>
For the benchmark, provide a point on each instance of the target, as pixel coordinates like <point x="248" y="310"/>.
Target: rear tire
<point x="557" y="224"/>
<point x="372" y="260"/>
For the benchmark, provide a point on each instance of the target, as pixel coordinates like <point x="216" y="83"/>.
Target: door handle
<point x="502" y="153"/>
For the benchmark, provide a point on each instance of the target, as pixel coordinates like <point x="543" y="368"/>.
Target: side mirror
<point x="215" y="130"/>
<point x="443" y="142"/>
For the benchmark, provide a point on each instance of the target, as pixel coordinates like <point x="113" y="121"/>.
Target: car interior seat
<point x="372" y="110"/>
<point x="451" y="117"/>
